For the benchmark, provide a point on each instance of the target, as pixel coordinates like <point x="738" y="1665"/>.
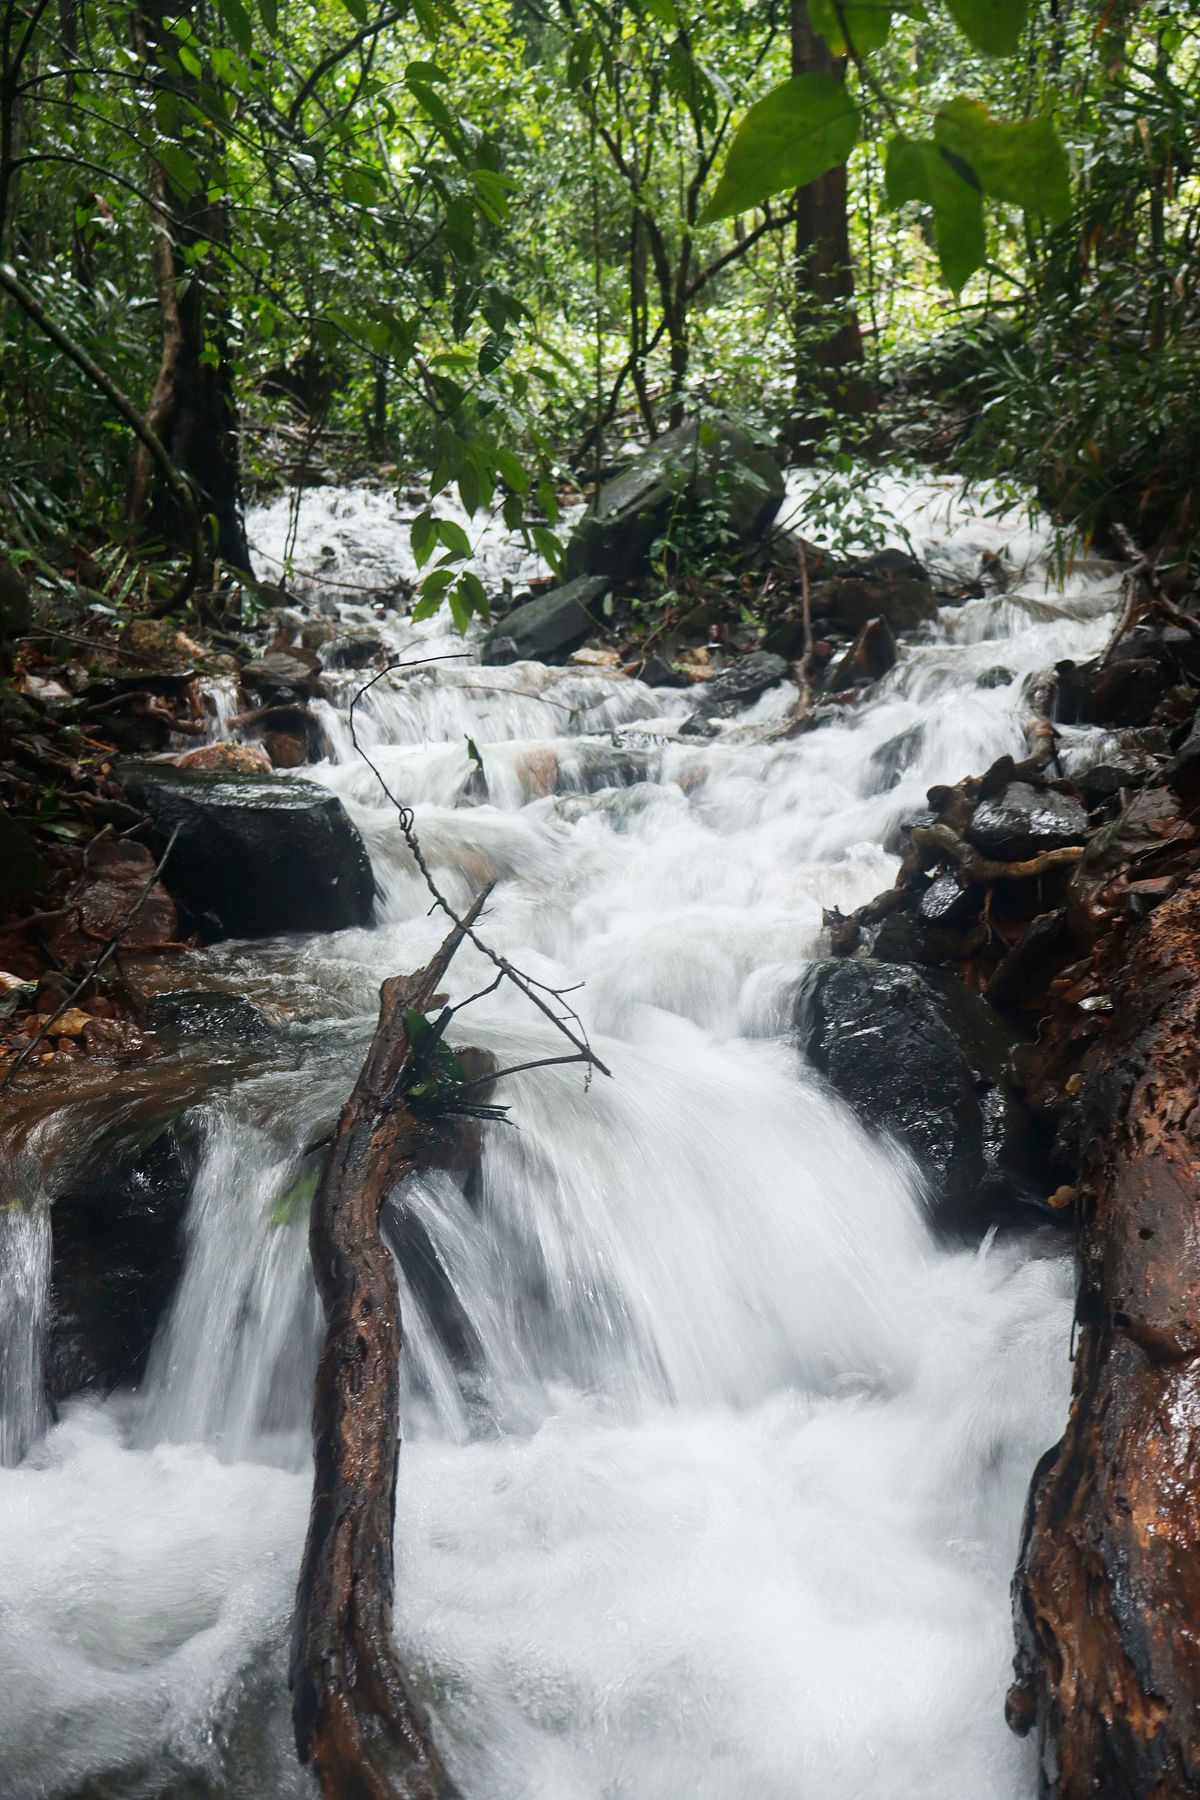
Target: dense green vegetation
<point x="490" y="242"/>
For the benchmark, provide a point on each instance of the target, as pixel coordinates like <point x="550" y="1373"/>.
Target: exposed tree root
<point x="1107" y="1595"/>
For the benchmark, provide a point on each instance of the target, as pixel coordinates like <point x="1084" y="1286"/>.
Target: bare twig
<point x="538" y="993"/>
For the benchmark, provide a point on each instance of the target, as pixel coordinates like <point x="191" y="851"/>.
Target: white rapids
<point x="723" y="1501"/>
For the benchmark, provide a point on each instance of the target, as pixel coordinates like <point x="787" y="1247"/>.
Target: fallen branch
<point x="357" y="1717"/>
<point x="946" y="843"/>
<point x="1107" y="1593"/>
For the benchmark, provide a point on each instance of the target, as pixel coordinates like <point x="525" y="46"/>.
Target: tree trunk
<point x="829" y="365"/>
<point x="1107" y="1595"/>
<point x="357" y="1717"/>
<point x="192" y="409"/>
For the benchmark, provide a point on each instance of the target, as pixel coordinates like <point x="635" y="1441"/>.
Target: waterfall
<point x="714" y="1457"/>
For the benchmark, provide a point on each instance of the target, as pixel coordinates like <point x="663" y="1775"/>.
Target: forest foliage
<point x="489" y="242"/>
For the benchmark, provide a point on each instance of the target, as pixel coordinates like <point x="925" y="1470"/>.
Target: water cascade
<point x="714" y="1458"/>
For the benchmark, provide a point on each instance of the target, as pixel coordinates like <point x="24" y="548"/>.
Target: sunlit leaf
<point x="799" y="131"/>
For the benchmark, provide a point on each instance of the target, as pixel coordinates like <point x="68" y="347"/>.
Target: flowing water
<point x="719" y="1493"/>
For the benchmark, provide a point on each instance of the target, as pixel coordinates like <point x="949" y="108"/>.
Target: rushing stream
<point x="722" y="1497"/>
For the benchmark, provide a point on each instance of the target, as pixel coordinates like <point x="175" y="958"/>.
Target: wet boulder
<point x="1021" y="821"/>
<point x="922" y="1059"/>
<point x="281" y="676"/>
<point x="255" y="854"/>
<point x="728" y="693"/>
<point x="708" y="472"/>
<point x="868" y="658"/>
<point x="852" y="600"/>
<point x="549" y="628"/>
<point x="117" y="1232"/>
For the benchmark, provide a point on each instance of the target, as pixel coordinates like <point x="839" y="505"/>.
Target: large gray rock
<point x="549" y="628"/>
<point x="255" y="854"/>
<point x="923" y="1059"/>
<point x="1022" y="820"/>
<point x="710" y="465"/>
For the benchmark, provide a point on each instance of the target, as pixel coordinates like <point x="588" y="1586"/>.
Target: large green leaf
<point x="919" y="170"/>
<point x="993" y="26"/>
<point x="794" y="134"/>
<point x="1023" y="162"/>
<point x="865" y="23"/>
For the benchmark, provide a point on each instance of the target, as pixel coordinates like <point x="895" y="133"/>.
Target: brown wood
<point x="1107" y="1595"/>
<point x="358" y="1719"/>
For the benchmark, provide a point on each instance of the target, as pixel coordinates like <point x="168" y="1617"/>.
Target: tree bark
<point x="829" y="368"/>
<point x="1107" y="1593"/>
<point x="193" y="408"/>
<point x="357" y="1716"/>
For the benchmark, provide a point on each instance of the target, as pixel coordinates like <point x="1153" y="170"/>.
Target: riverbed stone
<point x="727" y="693"/>
<point x="710" y="465"/>
<point x="117" y="1231"/>
<point x="255" y="854"/>
<point x="549" y="628"/>
<point x="1022" y="820"/>
<point x="922" y="1059"/>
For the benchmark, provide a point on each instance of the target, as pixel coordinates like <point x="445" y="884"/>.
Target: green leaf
<point x="416" y="1026"/>
<point x="866" y="23"/>
<point x="357" y="9"/>
<point x="917" y="169"/>
<point x="993" y="26"/>
<point x="797" y="132"/>
<point x="269" y="10"/>
<point x="460" y="610"/>
<point x="454" y="537"/>
<point x="474" y="592"/>
<point x="548" y="546"/>
<point x="237" y="21"/>
<point x="423" y="535"/>
<point x="663" y="11"/>
<point x="1022" y="162"/>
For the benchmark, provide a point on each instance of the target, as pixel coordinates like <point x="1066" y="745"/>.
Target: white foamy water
<point x="714" y="1459"/>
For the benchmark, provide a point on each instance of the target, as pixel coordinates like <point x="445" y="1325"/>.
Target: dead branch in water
<point x="357" y="1718"/>
<point x="1107" y="1594"/>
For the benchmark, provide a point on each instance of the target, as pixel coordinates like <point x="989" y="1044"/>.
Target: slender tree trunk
<point x="828" y="362"/>
<point x="1107" y="1596"/>
<point x="193" y="408"/>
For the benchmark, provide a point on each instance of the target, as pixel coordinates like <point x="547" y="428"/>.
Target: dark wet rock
<point x="897" y="840"/>
<point x="255" y="854"/>
<point x="947" y="902"/>
<point x="1183" y="772"/>
<point x="184" y="1014"/>
<point x="728" y="693"/>
<point x="279" y="676"/>
<point x="892" y="564"/>
<point x="1022" y="820"/>
<point x="892" y="759"/>
<point x="922" y="1059"/>
<point x="851" y="600"/>
<point x="707" y="464"/>
<point x="117" y="1229"/>
<point x="657" y="672"/>
<point x="353" y="650"/>
<point x="996" y="677"/>
<point x="549" y="628"/>
<point x="1125" y="692"/>
<point x="869" y="657"/>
